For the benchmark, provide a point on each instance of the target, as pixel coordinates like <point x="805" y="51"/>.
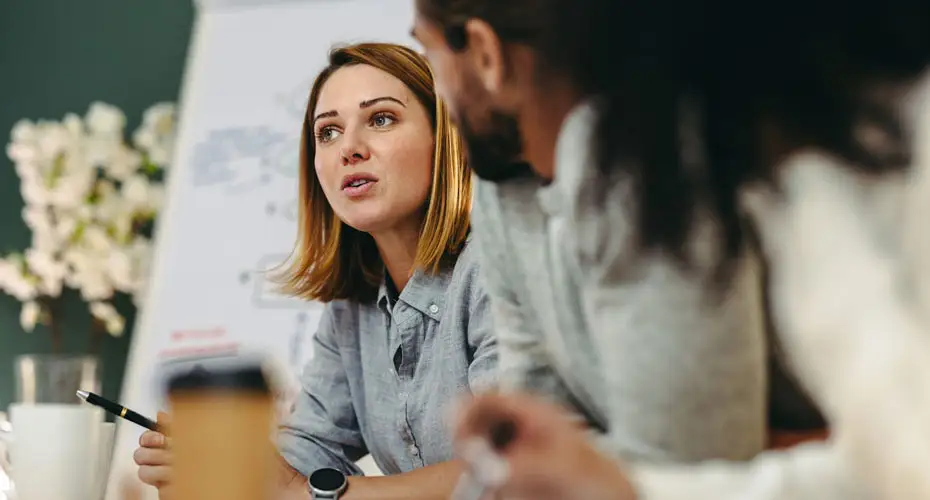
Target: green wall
<point x="57" y="56"/>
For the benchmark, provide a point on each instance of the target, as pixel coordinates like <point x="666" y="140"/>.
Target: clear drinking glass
<point x="55" y="378"/>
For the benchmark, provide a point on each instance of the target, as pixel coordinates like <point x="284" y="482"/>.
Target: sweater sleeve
<point x="808" y="472"/>
<point x="685" y="371"/>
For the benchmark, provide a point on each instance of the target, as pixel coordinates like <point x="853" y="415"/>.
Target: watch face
<point x="328" y="480"/>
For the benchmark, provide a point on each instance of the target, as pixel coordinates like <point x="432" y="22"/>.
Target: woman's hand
<point x="546" y="455"/>
<point x="154" y="456"/>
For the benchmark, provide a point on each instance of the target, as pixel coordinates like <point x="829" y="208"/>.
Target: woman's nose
<point x="354" y="151"/>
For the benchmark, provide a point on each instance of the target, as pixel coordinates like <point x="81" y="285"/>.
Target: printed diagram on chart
<point x="265" y="296"/>
<point x="256" y="160"/>
<point x="246" y="159"/>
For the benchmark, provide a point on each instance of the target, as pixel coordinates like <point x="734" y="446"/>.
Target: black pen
<point x="117" y="409"/>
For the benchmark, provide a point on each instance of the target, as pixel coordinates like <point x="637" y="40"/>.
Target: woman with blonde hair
<point x="383" y="241"/>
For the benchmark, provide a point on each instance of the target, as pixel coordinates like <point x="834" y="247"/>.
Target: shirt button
<point x="433" y="308"/>
<point x="391" y="371"/>
<point x="414" y="450"/>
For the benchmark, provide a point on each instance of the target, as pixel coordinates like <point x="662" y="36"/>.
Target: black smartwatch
<point x="327" y="484"/>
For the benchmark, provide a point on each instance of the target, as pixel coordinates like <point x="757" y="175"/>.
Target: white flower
<point x="52" y="288"/>
<point x="14" y="282"/>
<point x="105" y="189"/>
<point x="77" y="259"/>
<point x="9" y="270"/>
<point x="156" y="134"/>
<point x="96" y="239"/>
<point x="50" y="271"/>
<point x="112" y="320"/>
<point x="46" y="240"/>
<point x="141" y="252"/>
<point x="23" y="146"/>
<point x="121" y="225"/>
<point x="37" y="218"/>
<point x="109" y="204"/>
<point x="122" y="163"/>
<point x="23" y="131"/>
<point x="52" y="140"/>
<point x="74" y="185"/>
<point x="83" y="192"/>
<point x="87" y="273"/>
<point x="92" y="282"/>
<point x="68" y="195"/>
<point x="29" y="315"/>
<point x="73" y="124"/>
<point x="105" y="119"/>
<point x="83" y="213"/>
<point x="136" y="191"/>
<point x="35" y="192"/>
<point x="120" y="269"/>
<point x="67" y="224"/>
<point x="28" y="171"/>
<point x="99" y="150"/>
<point x="115" y="326"/>
<point x="23" y="289"/>
<point x="47" y="236"/>
<point x="21" y="153"/>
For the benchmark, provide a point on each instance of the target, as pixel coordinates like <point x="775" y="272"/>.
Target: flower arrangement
<point x="90" y="200"/>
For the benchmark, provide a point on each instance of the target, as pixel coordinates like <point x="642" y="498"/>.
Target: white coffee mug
<point x="57" y="451"/>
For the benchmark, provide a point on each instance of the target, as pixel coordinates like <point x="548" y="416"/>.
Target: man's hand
<point x="546" y="456"/>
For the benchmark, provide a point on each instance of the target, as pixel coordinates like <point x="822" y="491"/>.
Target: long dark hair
<point x="697" y="98"/>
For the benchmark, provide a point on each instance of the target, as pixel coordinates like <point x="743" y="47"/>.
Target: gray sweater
<point x="630" y="341"/>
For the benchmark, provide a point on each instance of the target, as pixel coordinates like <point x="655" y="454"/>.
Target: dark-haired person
<point x="667" y="361"/>
<point x="385" y="196"/>
<point x="811" y="117"/>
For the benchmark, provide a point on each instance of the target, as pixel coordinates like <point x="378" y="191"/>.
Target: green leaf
<point x="58" y="168"/>
<point x="150" y="168"/>
<point x="78" y="232"/>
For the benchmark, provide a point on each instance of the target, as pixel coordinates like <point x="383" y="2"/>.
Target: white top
<point x="850" y="264"/>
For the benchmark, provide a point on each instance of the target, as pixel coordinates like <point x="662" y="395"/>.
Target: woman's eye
<point x="326" y="134"/>
<point x="382" y="120"/>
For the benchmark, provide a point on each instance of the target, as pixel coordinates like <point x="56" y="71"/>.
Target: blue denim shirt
<point x="382" y="374"/>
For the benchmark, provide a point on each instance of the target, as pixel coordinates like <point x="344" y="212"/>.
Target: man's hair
<point x="740" y="83"/>
<point x="334" y="261"/>
<point x="514" y="21"/>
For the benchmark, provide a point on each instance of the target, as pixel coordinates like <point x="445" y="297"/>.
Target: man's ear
<point x="487" y="54"/>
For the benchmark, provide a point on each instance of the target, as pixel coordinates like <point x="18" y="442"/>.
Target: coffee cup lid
<point x="209" y="377"/>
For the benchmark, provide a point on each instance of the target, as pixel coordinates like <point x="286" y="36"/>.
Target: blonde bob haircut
<point x="331" y="260"/>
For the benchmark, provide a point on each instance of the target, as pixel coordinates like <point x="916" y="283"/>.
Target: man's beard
<point x="497" y="154"/>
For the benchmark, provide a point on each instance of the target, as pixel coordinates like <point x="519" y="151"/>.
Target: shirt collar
<point x="384" y="294"/>
<point x="573" y="154"/>
<point x="424" y="292"/>
<point x="573" y="147"/>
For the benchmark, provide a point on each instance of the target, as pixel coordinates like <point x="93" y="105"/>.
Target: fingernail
<point x="153" y="439"/>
